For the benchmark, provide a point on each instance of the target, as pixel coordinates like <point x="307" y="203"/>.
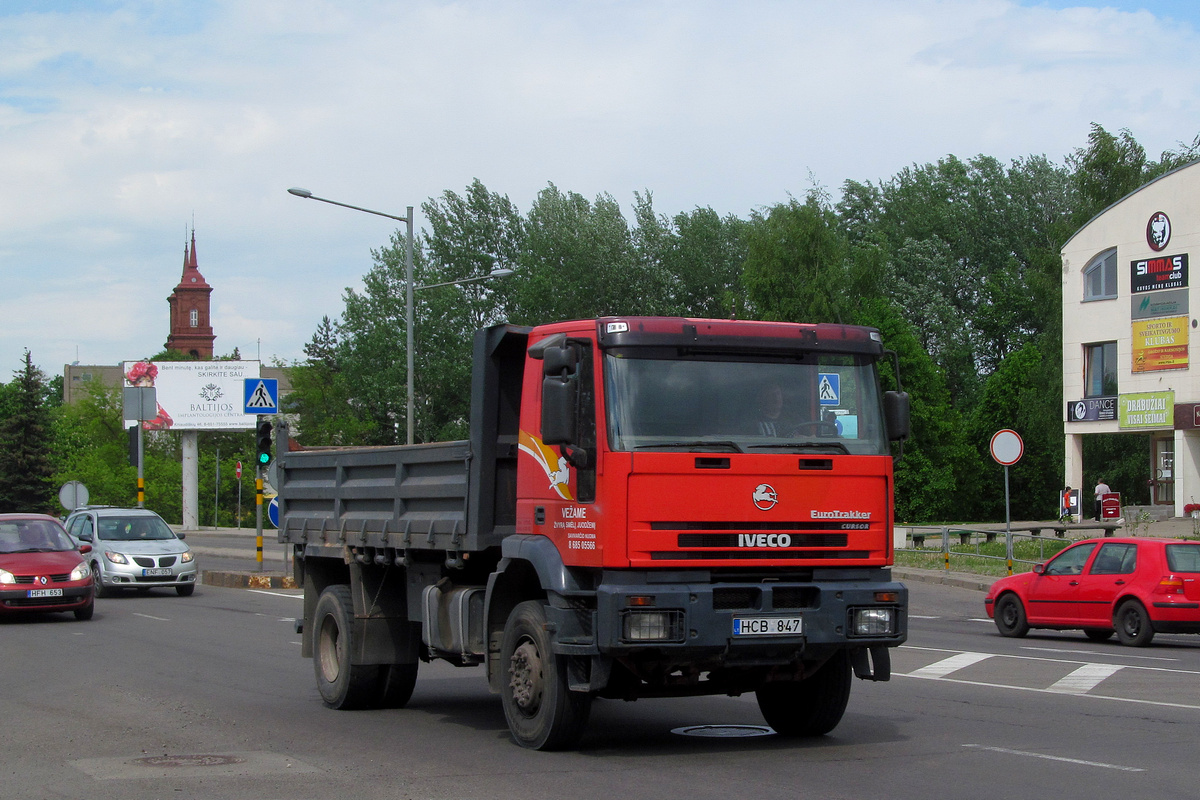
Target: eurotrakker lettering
<point x="840" y="514"/>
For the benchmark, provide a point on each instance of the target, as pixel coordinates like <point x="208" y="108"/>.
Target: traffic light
<point x="262" y="437"/>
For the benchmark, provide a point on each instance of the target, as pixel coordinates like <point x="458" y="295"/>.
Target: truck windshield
<point x="816" y="403"/>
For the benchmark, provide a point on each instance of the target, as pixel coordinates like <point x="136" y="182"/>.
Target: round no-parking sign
<point x="1007" y="447"/>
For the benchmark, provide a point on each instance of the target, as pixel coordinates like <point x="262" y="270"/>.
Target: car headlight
<point x="185" y="557"/>
<point x="6" y="577"/>
<point x="80" y="572"/>
<point x="116" y="558"/>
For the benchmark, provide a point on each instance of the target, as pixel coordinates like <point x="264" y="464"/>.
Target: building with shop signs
<point x="1129" y="331"/>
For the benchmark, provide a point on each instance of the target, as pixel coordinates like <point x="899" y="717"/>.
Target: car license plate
<point x="766" y="626"/>
<point x="45" y="593"/>
<point x="156" y="572"/>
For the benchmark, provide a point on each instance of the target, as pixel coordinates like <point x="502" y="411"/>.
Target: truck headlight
<point x="874" y="621"/>
<point x="652" y="626"/>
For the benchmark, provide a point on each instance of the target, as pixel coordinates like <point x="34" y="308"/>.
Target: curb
<point x="246" y="579"/>
<point x="980" y="583"/>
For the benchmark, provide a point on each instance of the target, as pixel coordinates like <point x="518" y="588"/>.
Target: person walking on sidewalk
<point x="1101" y="490"/>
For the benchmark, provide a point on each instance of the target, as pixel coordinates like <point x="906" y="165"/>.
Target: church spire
<point x="191" y="328"/>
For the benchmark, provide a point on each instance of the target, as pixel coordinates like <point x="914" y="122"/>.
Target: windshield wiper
<point x="722" y="443"/>
<point x="802" y="446"/>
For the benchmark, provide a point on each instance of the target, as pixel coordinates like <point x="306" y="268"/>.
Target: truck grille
<point x="735" y="539"/>
<point x="775" y="554"/>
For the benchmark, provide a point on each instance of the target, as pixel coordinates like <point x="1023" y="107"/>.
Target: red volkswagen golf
<point x="1135" y="587"/>
<point x="40" y="569"/>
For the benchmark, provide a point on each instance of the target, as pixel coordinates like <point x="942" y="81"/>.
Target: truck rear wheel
<point x="542" y="712"/>
<point x="342" y="685"/>
<point x="811" y="707"/>
<point x="396" y="683"/>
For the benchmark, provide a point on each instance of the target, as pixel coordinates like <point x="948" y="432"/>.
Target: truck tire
<point x="542" y="712"/>
<point x="342" y="685"/>
<point x="811" y="707"/>
<point x="396" y="682"/>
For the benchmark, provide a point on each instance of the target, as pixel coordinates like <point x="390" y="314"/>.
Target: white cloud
<point x="118" y="127"/>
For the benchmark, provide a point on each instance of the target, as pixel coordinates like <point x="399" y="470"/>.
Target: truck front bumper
<point x="636" y="612"/>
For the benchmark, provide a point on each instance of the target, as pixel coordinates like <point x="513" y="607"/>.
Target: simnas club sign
<point x="1160" y="272"/>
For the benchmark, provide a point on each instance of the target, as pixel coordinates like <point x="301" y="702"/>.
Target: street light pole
<point x="408" y="290"/>
<point x="410" y="411"/>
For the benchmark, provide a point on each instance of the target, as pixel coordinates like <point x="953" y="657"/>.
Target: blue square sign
<point x="829" y="388"/>
<point x="261" y="396"/>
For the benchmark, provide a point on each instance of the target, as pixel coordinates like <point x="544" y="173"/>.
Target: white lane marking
<point x="1080" y="761"/>
<point x="922" y="616"/>
<point x="1094" y="653"/>
<point x="147" y="616"/>
<point x="275" y="594"/>
<point x="940" y="669"/>
<point x="1085" y="678"/>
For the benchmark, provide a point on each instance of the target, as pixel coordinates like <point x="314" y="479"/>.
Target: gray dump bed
<point x="450" y="496"/>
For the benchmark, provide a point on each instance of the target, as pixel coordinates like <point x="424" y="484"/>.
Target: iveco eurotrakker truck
<point x="646" y="507"/>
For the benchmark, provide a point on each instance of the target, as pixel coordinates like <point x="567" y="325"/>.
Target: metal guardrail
<point x="976" y="538"/>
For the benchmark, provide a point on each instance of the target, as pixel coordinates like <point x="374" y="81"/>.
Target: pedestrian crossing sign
<point x="261" y="396"/>
<point x="829" y="388"/>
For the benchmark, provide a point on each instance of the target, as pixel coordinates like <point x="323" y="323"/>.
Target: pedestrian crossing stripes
<point x="1136" y="683"/>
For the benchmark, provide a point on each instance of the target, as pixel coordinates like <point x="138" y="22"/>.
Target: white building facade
<point x="1130" y="362"/>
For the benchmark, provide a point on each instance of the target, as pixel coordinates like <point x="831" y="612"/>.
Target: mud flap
<point x="872" y="663"/>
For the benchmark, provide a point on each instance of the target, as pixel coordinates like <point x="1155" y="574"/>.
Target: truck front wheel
<point x="342" y="685"/>
<point x="542" y="712"/>
<point x="811" y="707"/>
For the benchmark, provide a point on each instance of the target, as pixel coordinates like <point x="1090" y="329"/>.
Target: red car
<point x="1135" y="587"/>
<point x="40" y="568"/>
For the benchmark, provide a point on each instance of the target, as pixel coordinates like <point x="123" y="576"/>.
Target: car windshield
<point x="33" y="536"/>
<point x="825" y="403"/>
<point x="133" y="528"/>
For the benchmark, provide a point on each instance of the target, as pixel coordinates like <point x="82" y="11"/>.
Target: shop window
<point x="1100" y="277"/>
<point x="1100" y="369"/>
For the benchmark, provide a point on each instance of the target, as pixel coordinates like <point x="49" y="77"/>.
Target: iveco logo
<point x="765" y="497"/>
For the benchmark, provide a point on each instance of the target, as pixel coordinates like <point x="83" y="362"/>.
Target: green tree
<point x="796" y="264"/>
<point x="579" y="261"/>
<point x="26" y="471"/>
<point x="696" y="256"/>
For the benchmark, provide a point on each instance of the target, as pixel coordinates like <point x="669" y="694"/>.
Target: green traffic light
<point x="264" y="458"/>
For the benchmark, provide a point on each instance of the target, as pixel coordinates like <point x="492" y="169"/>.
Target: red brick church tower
<point x="191" y="331"/>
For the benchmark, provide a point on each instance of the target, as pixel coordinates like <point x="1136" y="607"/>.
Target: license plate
<point x="766" y="626"/>
<point x="156" y="572"/>
<point x="45" y="593"/>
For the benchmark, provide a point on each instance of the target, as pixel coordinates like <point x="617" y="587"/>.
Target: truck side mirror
<point x="560" y="394"/>
<point x="896" y="415"/>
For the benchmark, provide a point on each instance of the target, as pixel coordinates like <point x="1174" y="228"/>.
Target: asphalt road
<point x="206" y="696"/>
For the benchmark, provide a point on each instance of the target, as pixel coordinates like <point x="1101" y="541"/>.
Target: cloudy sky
<point x="125" y="122"/>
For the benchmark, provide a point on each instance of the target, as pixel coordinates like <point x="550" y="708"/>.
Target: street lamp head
<point x="300" y="192"/>
<point x="503" y="272"/>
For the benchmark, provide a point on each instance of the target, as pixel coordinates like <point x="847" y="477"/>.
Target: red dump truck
<point x="646" y="507"/>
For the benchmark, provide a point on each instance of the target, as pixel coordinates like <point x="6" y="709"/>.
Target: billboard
<point x="1146" y="410"/>
<point x="1160" y="344"/>
<point x="194" y="395"/>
